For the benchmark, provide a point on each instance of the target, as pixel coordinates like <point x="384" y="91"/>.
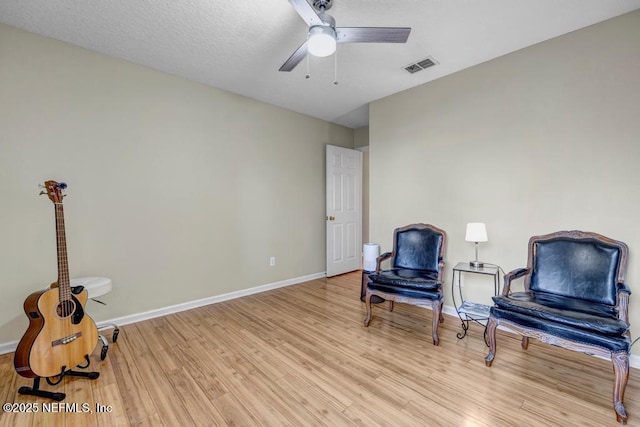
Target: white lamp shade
<point x="476" y="232"/>
<point x="322" y="40"/>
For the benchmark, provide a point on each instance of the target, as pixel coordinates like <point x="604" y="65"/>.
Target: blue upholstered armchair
<point x="415" y="277"/>
<point x="574" y="297"/>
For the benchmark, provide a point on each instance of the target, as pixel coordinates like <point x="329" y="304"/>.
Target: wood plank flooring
<point x="300" y="356"/>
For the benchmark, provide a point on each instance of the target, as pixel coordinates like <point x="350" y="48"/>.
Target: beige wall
<point x="361" y="137"/>
<point x="177" y="191"/>
<point x="361" y="142"/>
<point x="541" y="140"/>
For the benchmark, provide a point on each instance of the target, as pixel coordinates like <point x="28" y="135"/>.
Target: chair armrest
<point x="381" y="258"/>
<point x="440" y="271"/>
<point x="622" y="287"/>
<point x="623" y="302"/>
<point x="514" y="274"/>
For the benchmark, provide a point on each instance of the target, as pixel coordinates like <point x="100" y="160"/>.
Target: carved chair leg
<point x="441" y="315"/>
<point x="621" y="372"/>
<point x="390" y="305"/>
<point x="367" y="303"/>
<point x="436" y="306"/>
<point x="492" y="324"/>
<point x="525" y="343"/>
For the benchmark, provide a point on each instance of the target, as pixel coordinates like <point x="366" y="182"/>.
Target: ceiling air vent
<point x="421" y="65"/>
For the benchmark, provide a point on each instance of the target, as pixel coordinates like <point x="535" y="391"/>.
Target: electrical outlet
<point x="272" y="261"/>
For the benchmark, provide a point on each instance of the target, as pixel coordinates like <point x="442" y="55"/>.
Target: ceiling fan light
<point x="322" y="40"/>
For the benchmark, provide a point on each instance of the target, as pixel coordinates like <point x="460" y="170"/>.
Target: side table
<point x="469" y="311"/>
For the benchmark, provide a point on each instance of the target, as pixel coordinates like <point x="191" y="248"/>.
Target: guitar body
<point x="52" y="341"/>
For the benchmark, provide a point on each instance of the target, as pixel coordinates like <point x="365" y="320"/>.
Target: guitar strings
<point x="63" y="283"/>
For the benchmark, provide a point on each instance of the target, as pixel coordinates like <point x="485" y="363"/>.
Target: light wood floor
<point x="300" y="356"/>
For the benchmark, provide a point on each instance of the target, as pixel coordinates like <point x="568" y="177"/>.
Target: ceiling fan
<point x="323" y="33"/>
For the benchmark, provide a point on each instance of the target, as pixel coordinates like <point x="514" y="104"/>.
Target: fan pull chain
<point x="335" y="67"/>
<point x="308" y="75"/>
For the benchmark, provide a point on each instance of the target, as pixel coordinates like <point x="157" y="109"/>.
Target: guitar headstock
<point x="53" y="190"/>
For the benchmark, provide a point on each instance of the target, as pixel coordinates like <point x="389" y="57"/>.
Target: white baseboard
<point x="8" y="347"/>
<point x="138" y="317"/>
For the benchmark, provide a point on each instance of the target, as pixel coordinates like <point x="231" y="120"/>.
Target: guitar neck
<point x="64" y="286"/>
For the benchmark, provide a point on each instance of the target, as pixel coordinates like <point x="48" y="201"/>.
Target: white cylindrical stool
<point x="98" y="286"/>
<point x="95" y="286"/>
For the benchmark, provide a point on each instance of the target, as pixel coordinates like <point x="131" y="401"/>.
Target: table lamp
<point x="476" y="232"/>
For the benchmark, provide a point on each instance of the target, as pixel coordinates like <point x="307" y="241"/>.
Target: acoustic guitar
<point x="60" y="334"/>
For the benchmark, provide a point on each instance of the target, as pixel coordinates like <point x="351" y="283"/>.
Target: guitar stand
<point x="35" y="390"/>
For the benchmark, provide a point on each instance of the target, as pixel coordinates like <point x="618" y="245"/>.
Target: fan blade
<point x="372" y="34"/>
<point x="306" y="11"/>
<point x="295" y="58"/>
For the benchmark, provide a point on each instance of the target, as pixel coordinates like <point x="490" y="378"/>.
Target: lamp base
<point x="476" y="264"/>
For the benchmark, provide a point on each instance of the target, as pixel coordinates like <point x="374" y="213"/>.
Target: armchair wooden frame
<point x="620" y="360"/>
<point x="435" y="305"/>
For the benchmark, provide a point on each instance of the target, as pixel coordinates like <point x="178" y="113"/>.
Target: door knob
<point x="331" y="218"/>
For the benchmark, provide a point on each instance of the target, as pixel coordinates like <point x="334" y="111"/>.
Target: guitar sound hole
<point x="66" y="308"/>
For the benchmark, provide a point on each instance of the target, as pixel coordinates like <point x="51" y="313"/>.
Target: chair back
<point x="418" y="247"/>
<point x="577" y="264"/>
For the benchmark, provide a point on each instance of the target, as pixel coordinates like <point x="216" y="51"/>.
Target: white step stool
<point x="98" y="286"/>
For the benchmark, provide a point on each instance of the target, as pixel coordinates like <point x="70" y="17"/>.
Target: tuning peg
<point x="42" y="193"/>
<point x="41" y="186"/>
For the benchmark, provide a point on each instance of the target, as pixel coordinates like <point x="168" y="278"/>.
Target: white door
<point x="344" y="210"/>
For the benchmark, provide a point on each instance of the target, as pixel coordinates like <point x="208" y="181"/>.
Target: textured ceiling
<point x="239" y="45"/>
